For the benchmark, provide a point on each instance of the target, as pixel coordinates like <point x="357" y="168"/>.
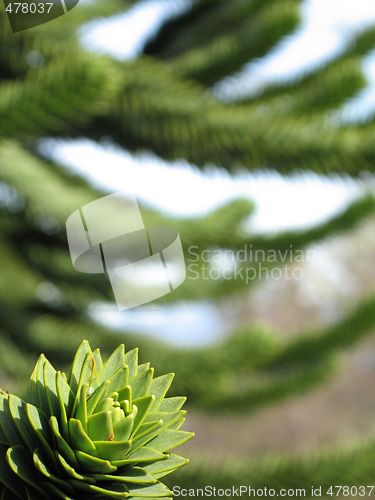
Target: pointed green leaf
<point x="155" y="490"/>
<point x="114" y="364"/>
<point x="62" y="445"/>
<point x="17" y="408"/>
<point x="123" y="429"/>
<point x="81" y="407"/>
<point x="94" y="465"/>
<point x="113" y="395"/>
<point x="79" y="374"/>
<point x="168" y="419"/>
<point x="171" y="404"/>
<point x="176" y="425"/>
<point x="99" y="393"/>
<point x="125" y="406"/>
<point x="119" y="380"/>
<point x="86" y="375"/>
<point x="143" y="405"/>
<point x="143" y="368"/>
<point x="20" y="464"/>
<point x="66" y="402"/>
<point x="135" y="475"/>
<point x="100" y="426"/>
<point x="98" y="360"/>
<point x="112" y="450"/>
<point x="94" y="376"/>
<point x="7" y="476"/>
<point x="172" y="462"/>
<point x="143" y="455"/>
<point x="157" y="415"/>
<point x="115" y="490"/>
<point x="43" y="403"/>
<point x="42" y="429"/>
<point x="65" y="393"/>
<point x="141" y="384"/>
<point x="131" y="361"/>
<point x="146" y="428"/>
<point x="125" y="394"/>
<point x="32" y="392"/>
<point x="50" y="387"/>
<point x="72" y="472"/>
<point x="8" y="426"/>
<point x="104" y="405"/>
<point x="41" y="466"/>
<point x="167" y="440"/>
<point x="79" y="440"/>
<point x="118" y="415"/>
<point x="162" y="474"/>
<point x="159" y="388"/>
<point x="39" y="422"/>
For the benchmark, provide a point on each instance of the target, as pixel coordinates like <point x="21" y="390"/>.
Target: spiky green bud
<point x="103" y="433"/>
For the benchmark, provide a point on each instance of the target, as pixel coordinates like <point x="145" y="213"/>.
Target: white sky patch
<point x="181" y="189"/>
<point x="327" y="29"/>
<point x="361" y="107"/>
<point x="125" y="35"/>
<point x="198" y="323"/>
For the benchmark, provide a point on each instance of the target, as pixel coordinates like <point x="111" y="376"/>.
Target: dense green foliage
<point x="162" y="102"/>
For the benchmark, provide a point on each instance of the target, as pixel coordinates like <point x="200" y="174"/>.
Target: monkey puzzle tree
<point x="162" y="101"/>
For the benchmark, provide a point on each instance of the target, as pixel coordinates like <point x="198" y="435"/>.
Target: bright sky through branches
<point x="326" y="30"/>
<point x="182" y="189"/>
<point x="328" y="27"/>
<point x="124" y="35"/>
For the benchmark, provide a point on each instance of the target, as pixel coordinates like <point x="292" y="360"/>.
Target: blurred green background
<point x="244" y="125"/>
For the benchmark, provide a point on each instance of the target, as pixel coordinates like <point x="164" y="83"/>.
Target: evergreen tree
<point x="162" y="102"/>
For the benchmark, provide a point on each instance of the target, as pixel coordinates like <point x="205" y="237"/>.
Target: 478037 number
<point x="352" y="491"/>
<point x="32" y="8"/>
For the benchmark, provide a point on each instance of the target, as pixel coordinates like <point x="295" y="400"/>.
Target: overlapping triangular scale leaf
<point x="102" y="432"/>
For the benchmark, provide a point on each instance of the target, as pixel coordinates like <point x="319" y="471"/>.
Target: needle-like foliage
<point x="103" y="432"/>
